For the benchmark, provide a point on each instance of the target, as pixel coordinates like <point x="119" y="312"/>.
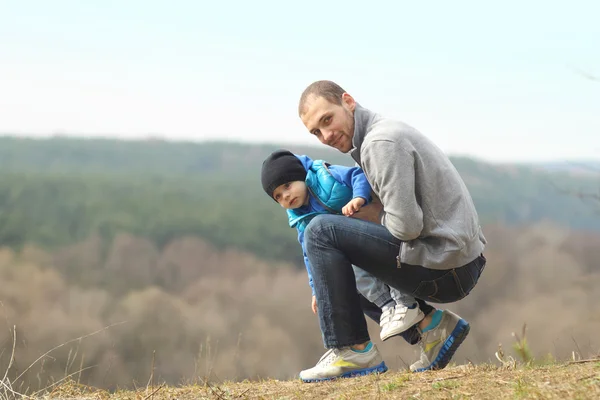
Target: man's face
<point x="332" y="124"/>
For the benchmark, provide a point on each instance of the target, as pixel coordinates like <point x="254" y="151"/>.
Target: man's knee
<point x="316" y="227"/>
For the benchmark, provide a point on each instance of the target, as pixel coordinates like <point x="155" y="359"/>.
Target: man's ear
<point x="348" y="102"/>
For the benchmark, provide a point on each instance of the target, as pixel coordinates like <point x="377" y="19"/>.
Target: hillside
<point x="191" y="310"/>
<point x="564" y="381"/>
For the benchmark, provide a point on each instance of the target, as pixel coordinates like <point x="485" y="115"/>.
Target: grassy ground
<point x="575" y="380"/>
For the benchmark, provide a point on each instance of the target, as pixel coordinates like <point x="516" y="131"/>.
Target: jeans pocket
<point x="445" y="289"/>
<point x="474" y="271"/>
<point x="426" y="290"/>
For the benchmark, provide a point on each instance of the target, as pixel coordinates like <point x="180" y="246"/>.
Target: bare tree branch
<point x="585" y="74"/>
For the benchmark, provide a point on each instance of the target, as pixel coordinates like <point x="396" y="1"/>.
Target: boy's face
<point x="291" y="195"/>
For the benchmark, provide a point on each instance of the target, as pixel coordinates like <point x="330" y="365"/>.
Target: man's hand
<point x="370" y="212"/>
<point x="313" y="305"/>
<point x="353" y="206"/>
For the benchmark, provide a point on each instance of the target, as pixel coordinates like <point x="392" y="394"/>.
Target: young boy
<point x="306" y="188"/>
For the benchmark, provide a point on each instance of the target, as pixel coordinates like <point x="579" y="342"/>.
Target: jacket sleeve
<point x="353" y="177"/>
<point x="392" y="172"/>
<point x="306" y="262"/>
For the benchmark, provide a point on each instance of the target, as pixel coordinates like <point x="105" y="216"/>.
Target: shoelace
<point x="328" y="357"/>
<point x="423" y="341"/>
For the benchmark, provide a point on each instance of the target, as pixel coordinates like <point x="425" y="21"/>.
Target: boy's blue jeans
<point x="334" y="243"/>
<point x="377" y="292"/>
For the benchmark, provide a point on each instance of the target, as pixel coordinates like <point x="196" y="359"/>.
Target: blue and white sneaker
<point x="439" y="344"/>
<point x="345" y="363"/>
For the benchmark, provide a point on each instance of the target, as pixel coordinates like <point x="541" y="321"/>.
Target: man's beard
<point x="350" y="130"/>
<point x="350" y="115"/>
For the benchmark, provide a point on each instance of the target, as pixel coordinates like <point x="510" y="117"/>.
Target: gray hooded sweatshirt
<point x="425" y="201"/>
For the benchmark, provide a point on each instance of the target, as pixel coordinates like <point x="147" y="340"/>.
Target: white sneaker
<point x="395" y="320"/>
<point x="345" y="363"/>
<point x="386" y="315"/>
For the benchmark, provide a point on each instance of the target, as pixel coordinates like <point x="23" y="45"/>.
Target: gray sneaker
<point x="439" y="344"/>
<point x="344" y="363"/>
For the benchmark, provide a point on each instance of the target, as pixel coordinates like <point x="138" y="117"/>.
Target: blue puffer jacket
<point x="331" y="194"/>
<point x="331" y="187"/>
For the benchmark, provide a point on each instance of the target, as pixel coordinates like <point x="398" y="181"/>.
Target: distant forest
<point x="58" y="191"/>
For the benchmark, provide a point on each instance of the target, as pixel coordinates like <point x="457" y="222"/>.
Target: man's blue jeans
<point x="334" y="243"/>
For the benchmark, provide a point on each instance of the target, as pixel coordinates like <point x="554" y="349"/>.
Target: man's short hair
<point x="331" y="91"/>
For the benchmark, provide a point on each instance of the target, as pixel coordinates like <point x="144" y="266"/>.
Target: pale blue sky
<point x="496" y="81"/>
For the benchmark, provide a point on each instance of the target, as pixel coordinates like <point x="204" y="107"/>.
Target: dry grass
<point x="576" y="380"/>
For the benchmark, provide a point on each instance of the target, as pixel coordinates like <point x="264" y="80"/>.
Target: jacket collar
<point x="363" y="119"/>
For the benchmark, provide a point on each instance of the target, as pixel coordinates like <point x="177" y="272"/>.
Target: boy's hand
<point x="370" y="212"/>
<point x="313" y="305"/>
<point x="353" y="206"/>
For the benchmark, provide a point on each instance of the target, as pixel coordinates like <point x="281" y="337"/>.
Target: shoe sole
<point x="381" y="368"/>
<point x="419" y="318"/>
<point x="458" y="335"/>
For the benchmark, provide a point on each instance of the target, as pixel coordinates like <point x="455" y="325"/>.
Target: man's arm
<point x="391" y="170"/>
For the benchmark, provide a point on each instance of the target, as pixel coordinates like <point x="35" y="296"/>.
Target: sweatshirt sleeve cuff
<point x="364" y="195"/>
<point x="358" y="196"/>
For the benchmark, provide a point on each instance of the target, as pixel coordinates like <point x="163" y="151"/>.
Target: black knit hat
<point x="279" y="168"/>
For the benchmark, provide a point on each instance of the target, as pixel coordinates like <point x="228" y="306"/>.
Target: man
<point x="423" y="237"/>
